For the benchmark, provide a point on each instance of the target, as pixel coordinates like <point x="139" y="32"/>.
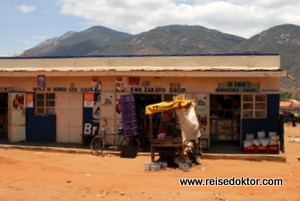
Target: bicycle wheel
<point x="130" y="141"/>
<point x="97" y="145"/>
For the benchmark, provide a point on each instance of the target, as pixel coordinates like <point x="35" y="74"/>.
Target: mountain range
<point x="178" y="39"/>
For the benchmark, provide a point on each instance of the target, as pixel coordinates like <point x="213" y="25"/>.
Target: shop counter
<point x="175" y="143"/>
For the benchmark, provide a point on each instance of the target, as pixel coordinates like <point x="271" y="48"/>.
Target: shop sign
<point x="238" y="90"/>
<point x="134" y="81"/>
<point x="63" y="89"/>
<point x="238" y="87"/>
<point x="157" y="90"/>
<point x="89" y="89"/>
<point x="38" y="89"/>
<point x="7" y="89"/>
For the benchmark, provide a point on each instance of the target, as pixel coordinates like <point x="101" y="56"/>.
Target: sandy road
<point x="34" y="175"/>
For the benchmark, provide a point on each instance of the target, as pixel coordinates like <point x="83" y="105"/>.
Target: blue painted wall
<point x="268" y="124"/>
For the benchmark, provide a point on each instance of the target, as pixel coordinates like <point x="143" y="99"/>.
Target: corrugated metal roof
<point x="130" y="68"/>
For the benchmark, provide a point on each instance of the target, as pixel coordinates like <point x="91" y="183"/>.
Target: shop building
<point x="57" y="99"/>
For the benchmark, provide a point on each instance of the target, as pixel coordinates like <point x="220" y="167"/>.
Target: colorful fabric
<point x="168" y="106"/>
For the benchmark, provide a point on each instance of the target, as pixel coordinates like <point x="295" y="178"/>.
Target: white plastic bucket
<point x="249" y="136"/>
<point x="272" y="134"/>
<point x="248" y="143"/>
<point x="274" y="140"/>
<point x="261" y="135"/>
<point x="265" y="142"/>
<point x="257" y="142"/>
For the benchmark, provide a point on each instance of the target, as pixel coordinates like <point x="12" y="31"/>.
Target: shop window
<point x="45" y="103"/>
<point x="254" y="106"/>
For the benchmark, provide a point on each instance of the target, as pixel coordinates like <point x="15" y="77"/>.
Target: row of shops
<point x="57" y="99"/>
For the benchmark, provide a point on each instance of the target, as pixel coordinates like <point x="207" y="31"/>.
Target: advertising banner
<point x="41" y="80"/>
<point x="91" y="113"/>
<point x="29" y="100"/>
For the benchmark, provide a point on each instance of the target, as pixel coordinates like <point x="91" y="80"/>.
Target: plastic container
<point x="127" y="98"/>
<point x="248" y="143"/>
<point x="129" y="124"/>
<point x="262" y="149"/>
<point x="250" y="150"/>
<point x="185" y="167"/>
<point x="272" y="134"/>
<point x="273" y="149"/>
<point x="257" y="142"/>
<point x="274" y="140"/>
<point x="265" y="142"/>
<point x="130" y="131"/>
<point x="147" y="166"/>
<point x="164" y="166"/>
<point x="249" y="136"/>
<point x="261" y="135"/>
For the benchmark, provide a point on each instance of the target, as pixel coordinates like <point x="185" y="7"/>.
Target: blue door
<point x="39" y="128"/>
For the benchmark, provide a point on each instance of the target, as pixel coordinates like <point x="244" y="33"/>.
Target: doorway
<point x="4" y="116"/>
<point x="141" y="101"/>
<point x="225" y="118"/>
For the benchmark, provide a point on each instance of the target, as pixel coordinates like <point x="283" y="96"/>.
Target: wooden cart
<point x="178" y="144"/>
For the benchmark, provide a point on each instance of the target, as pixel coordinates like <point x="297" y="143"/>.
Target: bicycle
<point x="98" y="142"/>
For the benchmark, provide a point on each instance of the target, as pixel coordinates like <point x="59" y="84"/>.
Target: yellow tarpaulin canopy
<point x="166" y="106"/>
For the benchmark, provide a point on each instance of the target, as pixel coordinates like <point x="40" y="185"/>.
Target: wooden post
<point x="151" y="137"/>
<point x="151" y="127"/>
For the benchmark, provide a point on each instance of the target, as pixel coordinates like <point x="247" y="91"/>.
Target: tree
<point x="286" y="96"/>
<point x="297" y="96"/>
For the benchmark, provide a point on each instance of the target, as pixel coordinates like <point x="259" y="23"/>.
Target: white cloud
<point x="239" y="17"/>
<point x="24" y="41"/>
<point x="38" y="37"/>
<point x="26" y="9"/>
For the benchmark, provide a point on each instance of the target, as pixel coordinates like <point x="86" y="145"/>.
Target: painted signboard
<point x="91" y="113"/>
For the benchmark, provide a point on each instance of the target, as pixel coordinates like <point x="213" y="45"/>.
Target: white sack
<point x="189" y="125"/>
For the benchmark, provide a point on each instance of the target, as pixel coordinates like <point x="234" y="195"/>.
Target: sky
<point x="26" y="23"/>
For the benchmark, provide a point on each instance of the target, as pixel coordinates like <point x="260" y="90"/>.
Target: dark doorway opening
<point x="141" y="101"/>
<point x="4" y="116"/>
<point x="225" y="122"/>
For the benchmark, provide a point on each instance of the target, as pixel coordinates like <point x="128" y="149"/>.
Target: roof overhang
<point x="147" y="73"/>
<point x="228" y="65"/>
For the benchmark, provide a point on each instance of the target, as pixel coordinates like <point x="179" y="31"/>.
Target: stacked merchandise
<point x="262" y="144"/>
<point x="129" y="115"/>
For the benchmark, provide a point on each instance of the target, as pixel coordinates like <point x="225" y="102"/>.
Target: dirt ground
<point x="32" y="175"/>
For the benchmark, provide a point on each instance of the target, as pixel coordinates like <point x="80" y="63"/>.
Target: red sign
<point x="134" y="81"/>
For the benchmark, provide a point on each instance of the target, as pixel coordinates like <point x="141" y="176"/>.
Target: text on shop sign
<point x="63" y="89"/>
<point x="157" y="90"/>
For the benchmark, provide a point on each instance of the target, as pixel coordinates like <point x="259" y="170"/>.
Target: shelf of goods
<point x="225" y="129"/>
